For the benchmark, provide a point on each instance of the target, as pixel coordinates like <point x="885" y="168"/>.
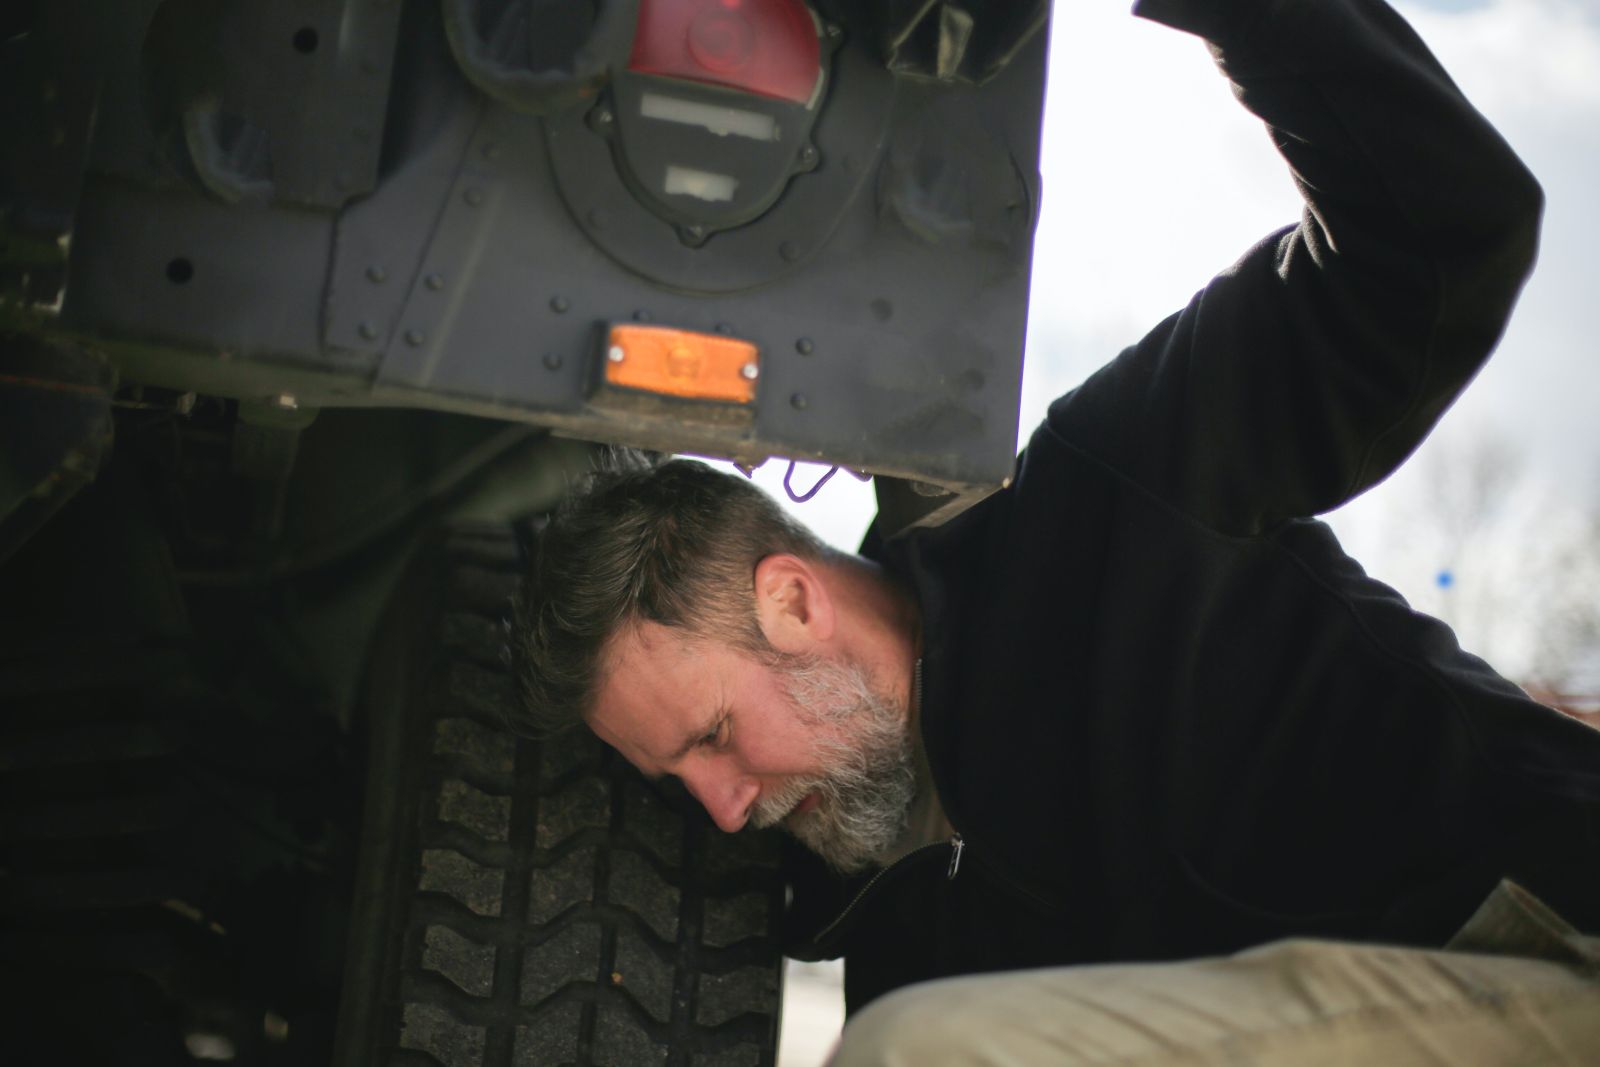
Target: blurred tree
<point x="1512" y="564"/>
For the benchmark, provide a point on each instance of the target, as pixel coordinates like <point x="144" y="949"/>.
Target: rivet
<point x="434" y="282"/>
<point x="798" y="401"/>
<point x="749" y="372"/>
<point x="552" y="360"/>
<point x="473" y="197"/>
<point x="808" y="154"/>
<point x="376" y="274"/>
<point x="616" y="354"/>
<point x="641" y="315"/>
<point x="559" y="303"/>
<point x="368" y="331"/>
<point x="789" y="251"/>
<point x="723" y="328"/>
<point x="414" y="337"/>
<point x="602" y="116"/>
<point x="286" y="401"/>
<point x="805" y="346"/>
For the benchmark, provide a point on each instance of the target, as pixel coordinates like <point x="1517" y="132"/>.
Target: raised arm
<point x="1309" y="370"/>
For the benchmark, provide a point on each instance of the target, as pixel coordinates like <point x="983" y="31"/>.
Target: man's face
<point x="808" y="744"/>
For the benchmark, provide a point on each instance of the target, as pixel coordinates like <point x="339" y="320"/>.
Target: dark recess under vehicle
<point x="308" y="310"/>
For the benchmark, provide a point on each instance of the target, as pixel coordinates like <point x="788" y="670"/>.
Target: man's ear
<point x="793" y="604"/>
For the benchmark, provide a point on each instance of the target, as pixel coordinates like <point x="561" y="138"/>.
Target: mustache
<point x="773" y="808"/>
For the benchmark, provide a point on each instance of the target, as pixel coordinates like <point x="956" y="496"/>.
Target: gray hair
<point x="674" y="543"/>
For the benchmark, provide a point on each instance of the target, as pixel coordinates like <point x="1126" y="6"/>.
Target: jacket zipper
<point x="955" y="844"/>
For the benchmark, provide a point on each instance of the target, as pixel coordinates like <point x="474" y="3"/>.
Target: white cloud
<point x="1518" y="55"/>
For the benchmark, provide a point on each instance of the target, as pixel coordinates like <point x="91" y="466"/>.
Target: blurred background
<point x="1155" y="179"/>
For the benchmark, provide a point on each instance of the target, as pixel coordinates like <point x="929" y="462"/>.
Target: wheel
<point x="531" y="903"/>
<point x="175" y="836"/>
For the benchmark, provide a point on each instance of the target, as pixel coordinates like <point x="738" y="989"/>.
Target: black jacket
<point x="1168" y="716"/>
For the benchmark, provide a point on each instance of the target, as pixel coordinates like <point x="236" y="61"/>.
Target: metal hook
<point x="797" y="497"/>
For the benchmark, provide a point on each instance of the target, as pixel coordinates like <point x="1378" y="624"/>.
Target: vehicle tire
<point x="175" y="837"/>
<point x="524" y="902"/>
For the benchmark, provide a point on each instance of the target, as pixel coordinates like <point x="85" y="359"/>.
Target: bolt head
<point x="473" y="197"/>
<point x="434" y="282"/>
<point x="553" y="360"/>
<point x="286" y="401"/>
<point x="559" y="303"/>
<point x="414" y="337"/>
<point x="805" y="346"/>
<point x="376" y="274"/>
<point x="615" y="354"/>
<point x="749" y="372"/>
<point x="367" y="331"/>
<point x="799" y="402"/>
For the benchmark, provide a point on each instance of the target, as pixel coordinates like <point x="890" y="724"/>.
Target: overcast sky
<point x="1121" y="243"/>
<point x="1155" y="179"/>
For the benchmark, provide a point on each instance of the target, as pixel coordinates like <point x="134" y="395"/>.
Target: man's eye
<point x="717" y="736"/>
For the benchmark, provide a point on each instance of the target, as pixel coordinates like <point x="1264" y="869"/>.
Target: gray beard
<point x="869" y="778"/>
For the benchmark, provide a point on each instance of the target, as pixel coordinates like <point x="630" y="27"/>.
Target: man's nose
<point x="726" y="795"/>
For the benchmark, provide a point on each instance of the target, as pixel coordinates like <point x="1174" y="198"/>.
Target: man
<point x="1137" y="706"/>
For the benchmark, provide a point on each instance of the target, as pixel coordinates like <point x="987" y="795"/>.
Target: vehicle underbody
<point x="307" y="313"/>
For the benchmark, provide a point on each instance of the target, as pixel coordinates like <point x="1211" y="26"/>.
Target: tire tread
<point x="562" y="909"/>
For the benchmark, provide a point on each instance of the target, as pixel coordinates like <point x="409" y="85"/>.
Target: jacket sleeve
<point x="1309" y="370"/>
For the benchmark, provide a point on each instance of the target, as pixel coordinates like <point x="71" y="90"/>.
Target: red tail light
<point x="768" y="47"/>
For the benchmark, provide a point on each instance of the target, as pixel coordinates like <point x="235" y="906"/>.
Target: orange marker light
<point x="698" y="366"/>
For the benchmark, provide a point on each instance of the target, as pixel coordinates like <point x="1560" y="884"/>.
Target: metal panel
<point x="895" y="347"/>
<point x="172" y="269"/>
<point x="301" y="86"/>
<point x="49" y="80"/>
<point x="885" y="289"/>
